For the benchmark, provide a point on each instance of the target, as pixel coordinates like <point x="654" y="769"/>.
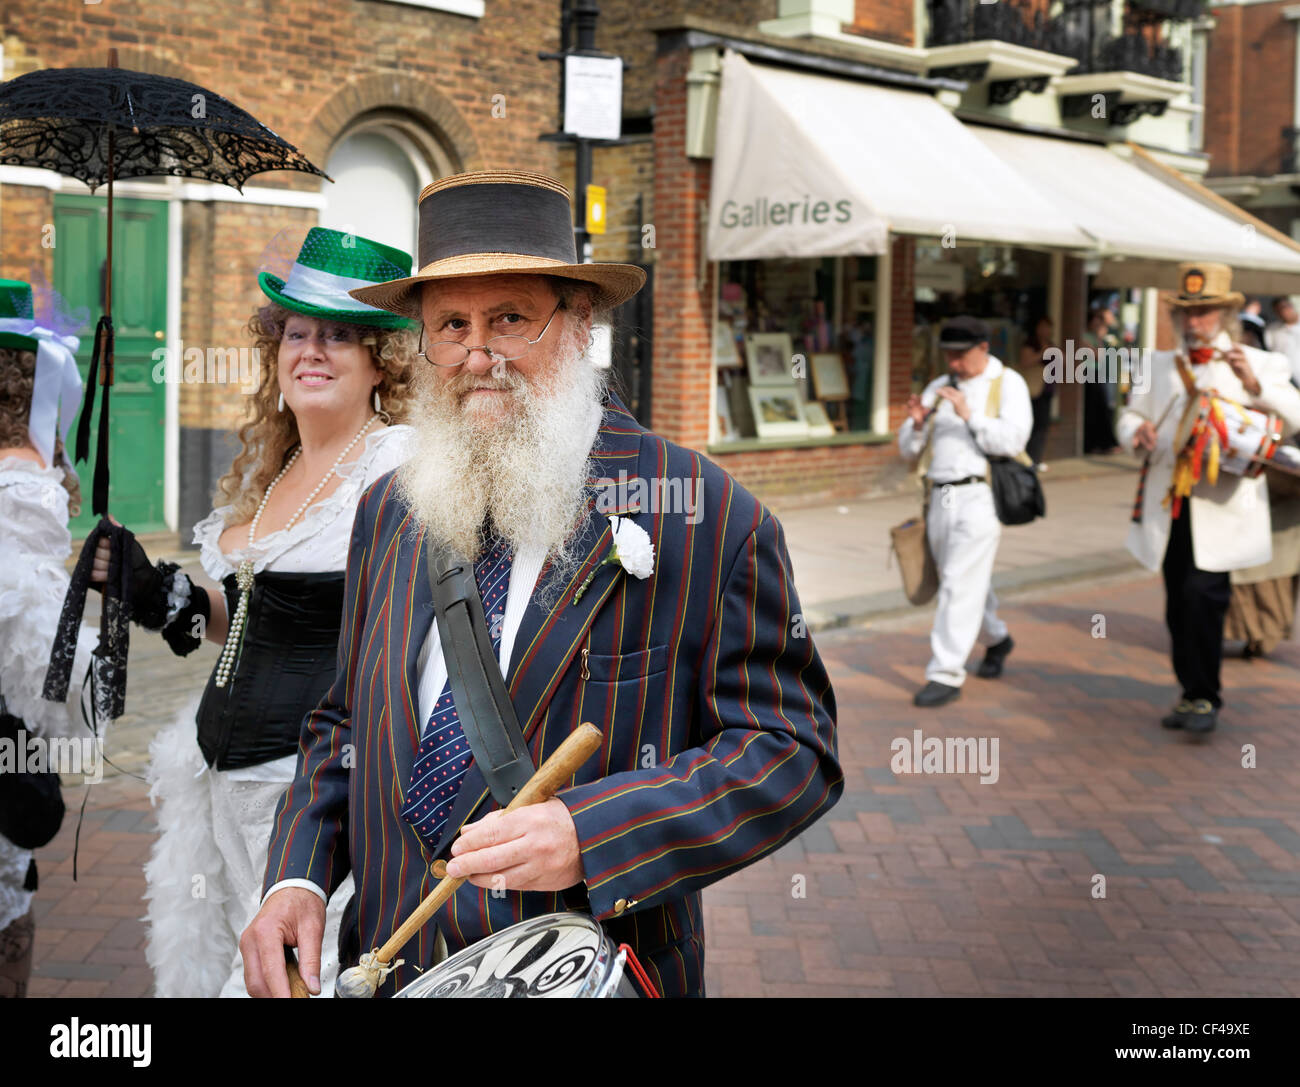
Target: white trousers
<point x="964" y="531"/>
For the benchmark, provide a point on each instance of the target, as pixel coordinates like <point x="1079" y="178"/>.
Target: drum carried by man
<point x="1213" y="413"/>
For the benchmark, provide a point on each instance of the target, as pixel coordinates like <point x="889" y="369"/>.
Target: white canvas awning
<point x="813" y="166"/>
<point x="1146" y="217"/>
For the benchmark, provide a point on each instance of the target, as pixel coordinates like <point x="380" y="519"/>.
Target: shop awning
<point x="813" y="166"/>
<point x="1146" y="217"/>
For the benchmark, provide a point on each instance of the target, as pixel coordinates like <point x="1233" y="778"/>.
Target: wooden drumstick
<point x="363" y="980"/>
<point x="297" y="987"/>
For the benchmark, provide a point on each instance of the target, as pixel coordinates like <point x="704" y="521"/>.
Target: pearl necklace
<point x="244" y="574"/>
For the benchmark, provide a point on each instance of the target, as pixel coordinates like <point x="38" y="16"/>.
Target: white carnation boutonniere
<point x="632" y="550"/>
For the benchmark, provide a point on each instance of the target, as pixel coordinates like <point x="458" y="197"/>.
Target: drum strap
<point x="483" y="704"/>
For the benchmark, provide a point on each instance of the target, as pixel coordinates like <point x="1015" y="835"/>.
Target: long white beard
<point x="523" y="477"/>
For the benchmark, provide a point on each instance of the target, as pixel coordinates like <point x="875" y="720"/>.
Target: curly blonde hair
<point x="17" y="383"/>
<point x="269" y="435"/>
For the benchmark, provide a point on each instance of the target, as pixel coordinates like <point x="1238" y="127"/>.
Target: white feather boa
<point x="190" y="945"/>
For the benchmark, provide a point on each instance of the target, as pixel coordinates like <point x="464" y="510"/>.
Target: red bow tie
<point x="1200" y="355"/>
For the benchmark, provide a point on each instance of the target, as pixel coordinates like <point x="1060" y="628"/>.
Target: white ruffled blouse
<point x="34" y="546"/>
<point x="316" y="543"/>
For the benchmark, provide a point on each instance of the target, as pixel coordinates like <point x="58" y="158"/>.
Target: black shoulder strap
<point x="482" y="701"/>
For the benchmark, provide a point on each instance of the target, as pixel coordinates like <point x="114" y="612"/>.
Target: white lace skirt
<point x="204" y="877"/>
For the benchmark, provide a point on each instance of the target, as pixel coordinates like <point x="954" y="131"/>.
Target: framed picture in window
<point x="778" y="411"/>
<point x="819" y="424"/>
<point x="830" y="382"/>
<point x="725" y="355"/>
<point x="769" y="357"/>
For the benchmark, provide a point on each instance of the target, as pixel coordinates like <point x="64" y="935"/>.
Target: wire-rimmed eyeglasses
<point x="450" y="353"/>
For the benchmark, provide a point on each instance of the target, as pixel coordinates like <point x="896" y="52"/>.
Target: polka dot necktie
<point x="444" y="755"/>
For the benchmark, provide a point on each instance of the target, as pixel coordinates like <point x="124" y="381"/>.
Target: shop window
<point x="794" y="348"/>
<point x="1005" y="285"/>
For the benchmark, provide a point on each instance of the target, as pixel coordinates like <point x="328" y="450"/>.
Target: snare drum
<point x="1253" y="436"/>
<point x="561" y="954"/>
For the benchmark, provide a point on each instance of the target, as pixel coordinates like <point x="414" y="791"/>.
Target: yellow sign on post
<point x="596" y="209"/>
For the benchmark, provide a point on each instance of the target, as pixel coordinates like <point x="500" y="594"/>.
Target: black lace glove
<point x="151" y="588"/>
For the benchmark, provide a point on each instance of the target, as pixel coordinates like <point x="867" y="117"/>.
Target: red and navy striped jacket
<point x="718" y="715"/>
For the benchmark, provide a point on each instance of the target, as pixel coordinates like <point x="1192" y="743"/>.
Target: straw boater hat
<point x="497" y="223"/>
<point x="328" y="266"/>
<point x="1202" y="283"/>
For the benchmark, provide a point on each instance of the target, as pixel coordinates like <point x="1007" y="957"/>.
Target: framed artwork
<point x="829" y="379"/>
<point x="768" y="355"/>
<point x="725" y="355"/>
<point x="862" y="297"/>
<point x="778" y="412"/>
<point x="819" y="424"/>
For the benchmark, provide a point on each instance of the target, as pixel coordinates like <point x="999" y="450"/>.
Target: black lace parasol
<point x="98" y="124"/>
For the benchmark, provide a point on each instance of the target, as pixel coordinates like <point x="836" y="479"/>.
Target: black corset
<point x="284" y="668"/>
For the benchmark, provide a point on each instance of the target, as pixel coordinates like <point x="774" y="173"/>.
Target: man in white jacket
<point x="1224" y="526"/>
<point x="962" y="526"/>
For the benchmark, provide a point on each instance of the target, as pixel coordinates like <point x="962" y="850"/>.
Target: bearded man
<point x="1224" y="524"/>
<point x="718" y="716"/>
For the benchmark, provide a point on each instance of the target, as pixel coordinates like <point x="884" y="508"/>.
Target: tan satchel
<point x="911" y="545"/>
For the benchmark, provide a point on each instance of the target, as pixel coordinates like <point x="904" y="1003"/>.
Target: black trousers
<point x="1196" y="602"/>
<point x="1042" y="408"/>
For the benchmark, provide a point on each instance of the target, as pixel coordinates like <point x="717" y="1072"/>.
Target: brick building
<point x="1052" y="160"/>
<point x="1252" y="116"/>
<point x="384" y="96"/>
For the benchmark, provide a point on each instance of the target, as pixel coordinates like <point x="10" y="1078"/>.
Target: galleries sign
<point x="775" y="192"/>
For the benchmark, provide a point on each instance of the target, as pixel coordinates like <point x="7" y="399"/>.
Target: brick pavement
<point x="931" y="885"/>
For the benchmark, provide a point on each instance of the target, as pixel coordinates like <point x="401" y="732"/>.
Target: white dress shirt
<point x="959" y="448"/>
<point x="1285" y="339"/>
<point x="430" y="666"/>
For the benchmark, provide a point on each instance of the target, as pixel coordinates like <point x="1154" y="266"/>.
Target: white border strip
<point x="161" y="189"/>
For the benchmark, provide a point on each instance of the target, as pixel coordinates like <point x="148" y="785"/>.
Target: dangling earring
<point x="378" y="409"/>
<point x="281" y="407"/>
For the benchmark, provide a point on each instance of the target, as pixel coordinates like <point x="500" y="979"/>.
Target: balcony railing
<point x="1078" y="28"/>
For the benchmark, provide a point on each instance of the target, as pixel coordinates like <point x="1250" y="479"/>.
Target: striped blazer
<point x="718" y="716"/>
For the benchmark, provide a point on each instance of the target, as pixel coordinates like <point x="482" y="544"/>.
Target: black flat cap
<point x="959" y="333"/>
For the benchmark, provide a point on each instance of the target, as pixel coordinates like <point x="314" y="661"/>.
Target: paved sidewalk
<point x="846" y="574"/>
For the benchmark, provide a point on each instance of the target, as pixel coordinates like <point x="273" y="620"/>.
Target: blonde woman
<point x="320" y="431"/>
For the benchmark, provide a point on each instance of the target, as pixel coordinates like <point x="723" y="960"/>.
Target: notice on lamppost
<point x="593" y="97"/>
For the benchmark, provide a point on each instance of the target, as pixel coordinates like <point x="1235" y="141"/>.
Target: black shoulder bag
<point x="1017" y="493"/>
<point x="31" y="801"/>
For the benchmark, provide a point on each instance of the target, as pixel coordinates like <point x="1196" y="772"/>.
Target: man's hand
<point x="530" y="849"/>
<point x="1145" y="438"/>
<point x="292" y="917"/>
<point x="915" y="411"/>
<point x="1241" y="367"/>
<point x="958" y="400"/>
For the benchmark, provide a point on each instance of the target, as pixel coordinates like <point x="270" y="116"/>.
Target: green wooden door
<point x="137" y="415"/>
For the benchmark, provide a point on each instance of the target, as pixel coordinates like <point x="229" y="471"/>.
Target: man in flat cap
<point x="980" y="408"/>
<point x="676" y="631"/>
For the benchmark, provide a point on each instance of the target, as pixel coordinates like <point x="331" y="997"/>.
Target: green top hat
<point x="16" y="315"/>
<point x="330" y="264"/>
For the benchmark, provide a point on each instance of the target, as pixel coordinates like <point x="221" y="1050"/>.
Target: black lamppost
<point x="577" y="16"/>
